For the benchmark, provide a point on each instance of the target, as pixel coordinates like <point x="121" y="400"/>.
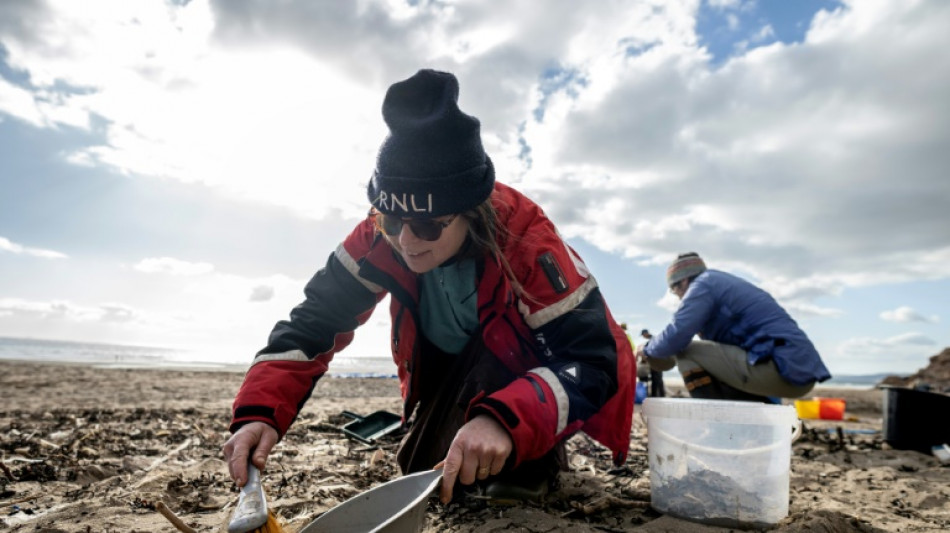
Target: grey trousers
<point x="729" y="364"/>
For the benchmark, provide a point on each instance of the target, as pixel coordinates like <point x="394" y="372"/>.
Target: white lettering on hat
<point x="406" y="202"/>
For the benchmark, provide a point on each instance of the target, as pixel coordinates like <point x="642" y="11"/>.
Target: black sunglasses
<point x="427" y="229"/>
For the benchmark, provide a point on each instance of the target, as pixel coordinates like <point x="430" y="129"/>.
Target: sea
<point x="127" y="356"/>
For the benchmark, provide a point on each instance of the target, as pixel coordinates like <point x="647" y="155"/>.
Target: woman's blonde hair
<point x="486" y="235"/>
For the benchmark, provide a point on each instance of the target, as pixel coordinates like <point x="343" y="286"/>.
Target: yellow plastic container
<point x="820" y="408"/>
<point x="807" y="409"/>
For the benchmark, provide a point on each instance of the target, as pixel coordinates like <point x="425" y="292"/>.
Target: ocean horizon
<point x="103" y="355"/>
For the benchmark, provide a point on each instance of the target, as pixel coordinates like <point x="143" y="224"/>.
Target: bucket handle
<point x="796" y="432"/>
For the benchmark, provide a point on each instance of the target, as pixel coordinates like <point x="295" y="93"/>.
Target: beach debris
<point x="173" y="518"/>
<point x="942" y="453"/>
<point x="604" y="503"/>
<point x="315" y="455"/>
<point x="688" y="497"/>
<point x="6" y="472"/>
<point x="816" y="440"/>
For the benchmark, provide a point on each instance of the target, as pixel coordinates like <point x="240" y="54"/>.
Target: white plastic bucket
<point x="720" y="462"/>
<point x="397" y="506"/>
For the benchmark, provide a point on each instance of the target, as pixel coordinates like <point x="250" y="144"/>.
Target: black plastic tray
<point x="367" y="429"/>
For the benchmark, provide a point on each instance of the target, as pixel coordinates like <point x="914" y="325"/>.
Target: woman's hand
<point x="479" y="450"/>
<point x="254" y="436"/>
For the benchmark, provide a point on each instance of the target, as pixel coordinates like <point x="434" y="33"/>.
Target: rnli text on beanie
<point x="432" y="163"/>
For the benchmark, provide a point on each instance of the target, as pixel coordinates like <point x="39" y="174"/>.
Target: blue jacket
<point x="726" y="309"/>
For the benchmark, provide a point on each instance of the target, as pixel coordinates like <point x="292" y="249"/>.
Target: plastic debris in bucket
<point x="820" y="408"/>
<point x="719" y="462"/>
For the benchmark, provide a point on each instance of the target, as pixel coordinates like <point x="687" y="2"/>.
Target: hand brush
<point x="251" y="513"/>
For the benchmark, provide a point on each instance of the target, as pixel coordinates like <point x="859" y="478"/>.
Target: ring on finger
<point x="484" y="471"/>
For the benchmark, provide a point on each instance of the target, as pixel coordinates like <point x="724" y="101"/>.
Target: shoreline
<point x="670" y="381"/>
<point x="102" y="355"/>
<point x="179" y="366"/>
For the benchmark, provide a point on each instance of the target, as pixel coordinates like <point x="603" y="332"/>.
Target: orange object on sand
<point x="272" y="525"/>
<point x="831" y="408"/>
<point x="821" y="408"/>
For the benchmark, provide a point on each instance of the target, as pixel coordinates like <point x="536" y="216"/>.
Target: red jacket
<point x="576" y="369"/>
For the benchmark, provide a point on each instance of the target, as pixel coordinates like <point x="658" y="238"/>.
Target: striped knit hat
<point x="685" y="266"/>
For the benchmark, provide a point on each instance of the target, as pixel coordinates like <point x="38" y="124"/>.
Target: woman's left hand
<point x="479" y="450"/>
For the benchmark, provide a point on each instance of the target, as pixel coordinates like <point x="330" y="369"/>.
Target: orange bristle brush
<point x="251" y="514"/>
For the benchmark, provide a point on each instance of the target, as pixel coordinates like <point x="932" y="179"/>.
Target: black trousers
<point x="448" y="384"/>
<point x="657" y="389"/>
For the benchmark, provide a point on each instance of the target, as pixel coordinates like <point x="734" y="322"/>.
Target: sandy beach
<point x="86" y="449"/>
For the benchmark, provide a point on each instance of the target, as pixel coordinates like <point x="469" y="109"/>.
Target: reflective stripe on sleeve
<point x="549" y="313"/>
<point x="560" y="395"/>
<point x="292" y="355"/>
<point x="352" y="267"/>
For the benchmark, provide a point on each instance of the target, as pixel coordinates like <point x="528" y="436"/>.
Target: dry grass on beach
<point x="89" y="449"/>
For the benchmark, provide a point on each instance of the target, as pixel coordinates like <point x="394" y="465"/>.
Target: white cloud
<point x="19" y="103"/>
<point x="213" y="308"/>
<point x="764" y="34"/>
<point x="56" y="310"/>
<point x="6" y="245"/>
<point x="669" y="302"/>
<point x="117" y="312"/>
<point x="779" y="162"/>
<point x="908" y="352"/>
<point x="171" y="266"/>
<point x="805" y="310"/>
<point x="870" y="345"/>
<point x="789" y="161"/>
<point x="907" y="314"/>
<point x="725" y="4"/>
<point x="812" y="168"/>
<point x="228" y="119"/>
<point x="262" y="293"/>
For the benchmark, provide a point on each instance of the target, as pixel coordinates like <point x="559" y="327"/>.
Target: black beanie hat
<point x="432" y="163"/>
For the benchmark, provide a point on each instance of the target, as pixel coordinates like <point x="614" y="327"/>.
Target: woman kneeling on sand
<point x="503" y="342"/>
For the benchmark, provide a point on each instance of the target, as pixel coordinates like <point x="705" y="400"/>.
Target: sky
<point x="173" y="172"/>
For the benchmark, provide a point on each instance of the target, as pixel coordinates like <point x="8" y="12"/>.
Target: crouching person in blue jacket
<point x="750" y="348"/>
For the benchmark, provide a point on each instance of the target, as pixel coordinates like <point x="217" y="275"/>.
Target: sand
<point x="86" y="449"/>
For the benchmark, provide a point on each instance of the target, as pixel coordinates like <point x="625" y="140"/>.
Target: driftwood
<point x="7" y="472"/>
<point x="173" y="518"/>
<point x="604" y="503"/>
